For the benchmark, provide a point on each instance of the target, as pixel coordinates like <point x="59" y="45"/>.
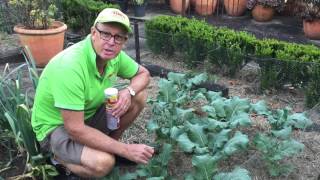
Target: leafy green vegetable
<point x="236" y="174"/>
<point x="205" y="166"/>
<point x="238" y="142"/>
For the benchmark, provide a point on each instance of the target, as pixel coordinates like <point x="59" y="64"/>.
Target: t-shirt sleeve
<point x="68" y="89"/>
<point x="127" y="66"/>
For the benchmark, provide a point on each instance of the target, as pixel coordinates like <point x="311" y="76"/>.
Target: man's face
<point x="108" y="39"/>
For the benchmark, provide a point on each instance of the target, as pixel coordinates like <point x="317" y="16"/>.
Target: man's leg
<point x="138" y="102"/>
<point x="93" y="163"/>
<point x="96" y="163"/>
<point x="80" y="159"/>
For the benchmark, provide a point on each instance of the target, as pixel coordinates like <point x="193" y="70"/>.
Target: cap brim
<point x="128" y="28"/>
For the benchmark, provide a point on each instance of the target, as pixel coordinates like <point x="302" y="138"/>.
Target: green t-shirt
<point x="71" y="81"/>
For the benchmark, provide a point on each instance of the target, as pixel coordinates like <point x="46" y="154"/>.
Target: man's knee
<point x="139" y="100"/>
<point x="104" y="165"/>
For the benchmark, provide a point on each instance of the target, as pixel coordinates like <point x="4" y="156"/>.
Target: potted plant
<point x="309" y="11"/>
<point x="139" y="8"/>
<point x="263" y="10"/>
<point x="37" y="28"/>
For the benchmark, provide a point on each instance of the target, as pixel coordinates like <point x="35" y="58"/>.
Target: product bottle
<point x="111" y="96"/>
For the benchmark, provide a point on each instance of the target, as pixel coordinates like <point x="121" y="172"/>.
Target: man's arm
<point x="138" y="83"/>
<point x="141" y="80"/>
<point x="80" y="132"/>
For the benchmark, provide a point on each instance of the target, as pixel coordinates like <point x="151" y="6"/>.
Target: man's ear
<point x="93" y="31"/>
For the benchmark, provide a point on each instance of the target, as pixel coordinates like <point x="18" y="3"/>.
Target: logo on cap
<point x="118" y="14"/>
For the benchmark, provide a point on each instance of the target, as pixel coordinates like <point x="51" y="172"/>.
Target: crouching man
<point x="69" y="111"/>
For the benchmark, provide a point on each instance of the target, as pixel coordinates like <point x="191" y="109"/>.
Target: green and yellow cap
<point x="113" y="15"/>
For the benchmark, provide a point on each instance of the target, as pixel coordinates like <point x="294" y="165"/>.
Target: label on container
<point x="111" y="96"/>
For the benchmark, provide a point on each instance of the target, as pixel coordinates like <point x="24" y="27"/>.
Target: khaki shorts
<point x="61" y="145"/>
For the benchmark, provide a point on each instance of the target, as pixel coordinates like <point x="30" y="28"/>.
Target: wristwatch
<point x="131" y="91"/>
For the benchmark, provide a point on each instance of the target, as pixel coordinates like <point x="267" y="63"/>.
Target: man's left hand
<point x="123" y="103"/>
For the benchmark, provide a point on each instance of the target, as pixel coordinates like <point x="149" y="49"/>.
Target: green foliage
<point x="284" y="118"/>
<point x="205" y="167"/>
<point x="15" y="105"/>
<point x="236" y="174"/>
<point x="160" y="33"/>
<point x="156" y="169"/>
<point x="194" y="41"/>
<point x="278" y="144"/>
<point x="274" y="150"/>
<point x="208" y="126"/>
<point x="290" y="64"/>
<point x="36" y="14"/>
<point x="280" y="62"/>
<point x="80" y="14"/>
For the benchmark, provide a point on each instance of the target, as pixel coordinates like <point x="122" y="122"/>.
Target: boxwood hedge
<point x="280" y="62"/>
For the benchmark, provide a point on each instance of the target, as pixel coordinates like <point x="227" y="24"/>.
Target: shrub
<point x="80" y="14"/>
<point x="160" y="33"/>
<point x="277" y="4"/>
<point x="280" y="62"/>
<point x="194" y="41"/>
<point x="230" y="49"/>
<point x="36" y="14"/>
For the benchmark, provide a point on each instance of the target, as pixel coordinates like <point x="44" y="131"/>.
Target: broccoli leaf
<point x="236" y="174"/>
<point x="237" y="142"/>
<point x="260" y="108"/>
<point x="205" y="166"/>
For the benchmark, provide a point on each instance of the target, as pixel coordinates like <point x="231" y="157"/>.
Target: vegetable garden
<point x="197" y="133"/>
<point x="212" y="129"/>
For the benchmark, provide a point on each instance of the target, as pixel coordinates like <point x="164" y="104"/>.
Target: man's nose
<point x="111" y="41"/>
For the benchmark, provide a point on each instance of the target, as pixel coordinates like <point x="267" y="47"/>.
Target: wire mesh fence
<point x="273" y="73"/>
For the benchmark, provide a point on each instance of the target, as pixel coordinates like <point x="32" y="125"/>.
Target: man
<point x="69" y="112"/>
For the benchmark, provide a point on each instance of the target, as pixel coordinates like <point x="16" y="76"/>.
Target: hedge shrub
<point x="160" y="33"/>
<point x="280" y="62"/>
<point x="80" y="14"/>
<point x="194" y="41"/>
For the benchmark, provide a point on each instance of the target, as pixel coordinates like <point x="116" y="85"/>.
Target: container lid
<point x="110" y="92"/>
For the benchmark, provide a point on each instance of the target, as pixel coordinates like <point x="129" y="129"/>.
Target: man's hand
<point x="139" y="153"/>
<point x="123" y="104"/>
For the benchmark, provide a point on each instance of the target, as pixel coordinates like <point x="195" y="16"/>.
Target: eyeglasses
<point x="106" y="36"/>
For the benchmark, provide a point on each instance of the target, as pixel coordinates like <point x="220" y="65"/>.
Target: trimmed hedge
<point x="80" y="14"/>
<point x="280" y="62"/>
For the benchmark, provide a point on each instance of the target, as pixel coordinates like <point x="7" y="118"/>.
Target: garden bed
<point x="244" y="86"/>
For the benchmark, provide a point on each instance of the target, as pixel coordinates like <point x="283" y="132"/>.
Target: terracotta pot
<point x="176" y="6"/>
<point x="312" y="29"/>
<point x="262" y="13"/>
<point x="235" y="7"/>
<point x="43" y="44"/>
<point x="206" y="7"/>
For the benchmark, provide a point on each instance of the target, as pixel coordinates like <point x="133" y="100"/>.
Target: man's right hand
<point x="139" y="153"/>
